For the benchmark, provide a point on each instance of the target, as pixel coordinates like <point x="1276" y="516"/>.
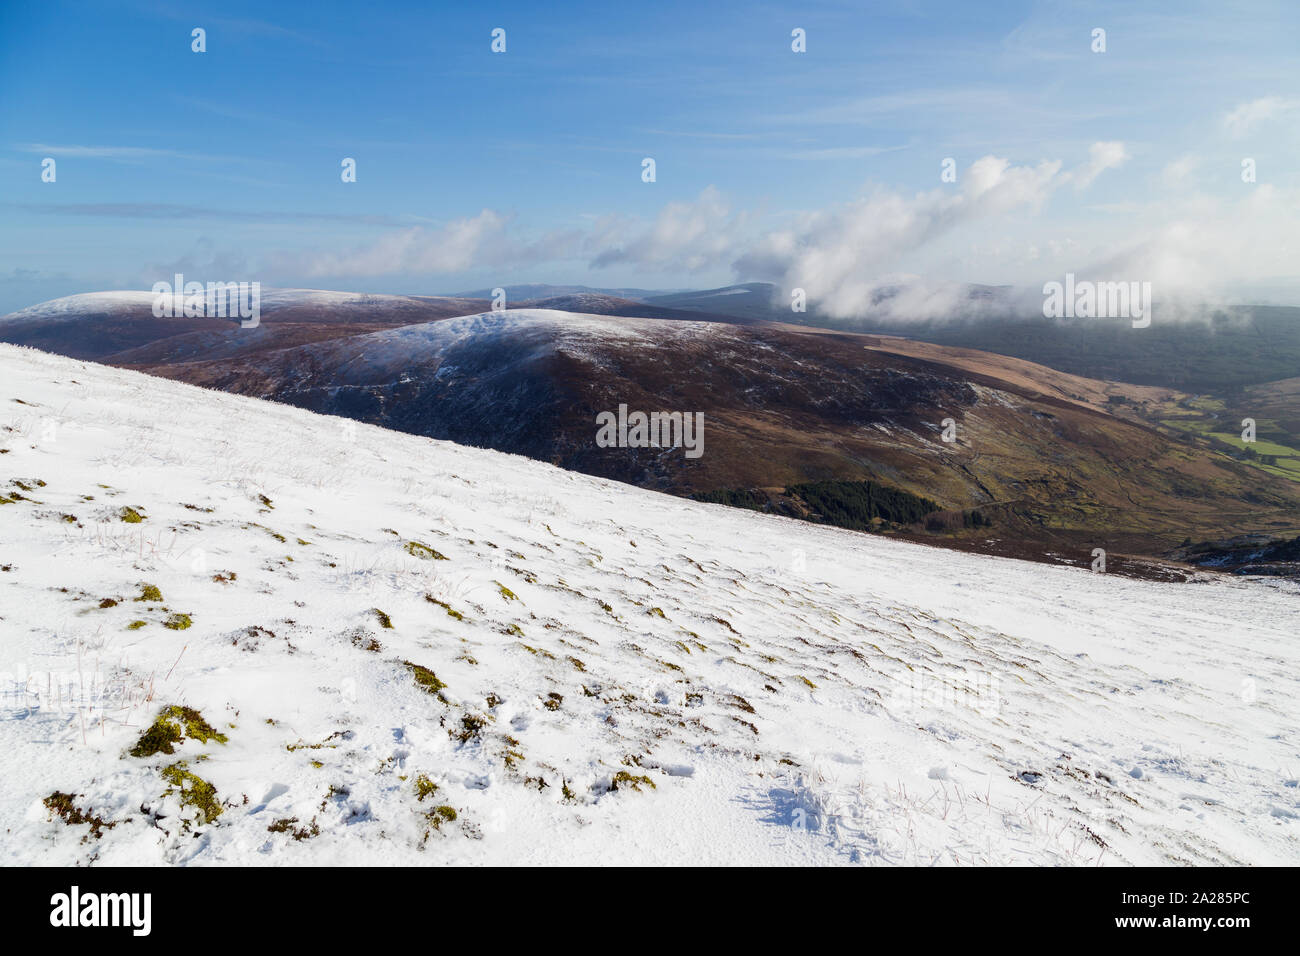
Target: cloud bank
<point x="869" y="255"/>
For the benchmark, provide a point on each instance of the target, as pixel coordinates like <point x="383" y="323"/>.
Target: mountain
<point x="754" y="301"/>
<point x="1039" y="450"/>
<point x="101" y="325"/>
<point x="595" y="303"/>
<point x="1219" y="351"/>
<point x="893" y="302"/>
<point x="1216" y="349"/>
<point x="536" y="291"/>
<point x="1060" y="464"/>
<point x="242" y="632"/>
<point x="120" y="327"/>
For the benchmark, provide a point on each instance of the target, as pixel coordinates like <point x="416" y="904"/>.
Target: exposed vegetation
<point x="856" y="505"/>
<point x="440" y="815"/>
<point x="171" y="727"/>
<point x="424" y="787"/>
<point x="451" y="612"/>
<point x="852" y="504"/>
<point x="64" y="806"/>
<point x="193" y="791"/>
<point x="366" y="642"/>
<point x="735" y="497"/>
<point x="288" y="825"/>
<point x="426" y="678"/>
<point x="625" y="779"/>
<point x="1231" y="348"/>
<point x="418" y="549"/>
<point x="471" y="727"/>
<point x="150" y="593"/>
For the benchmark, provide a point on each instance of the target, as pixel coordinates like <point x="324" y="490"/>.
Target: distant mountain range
<point x="1224" y="348"/>
<point x="1060" y="463"/>
<point x="521" y="293"/>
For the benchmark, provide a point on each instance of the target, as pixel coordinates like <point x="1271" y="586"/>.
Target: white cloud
<point x="1245" y="117"/>
<point x="1201" y="245"/>
<point x="688" y="236"/>
<point x="1177" y="173"/>
<point x="458" y="246"/>
<point x="1101" y="157"/>
<point x="844" y="258"/>
<point x="854" y="257"/>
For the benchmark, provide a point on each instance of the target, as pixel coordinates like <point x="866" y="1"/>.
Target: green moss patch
<point x="150" y="593"/>
<point x="424" y="787"/>
<point x="625" y="779"/>
<point x="130" y="515"/>
<point x="418" y="549"/>
<point x="426" y="678"/>
<point x="172" y="726"/>
<point x="451" y="612"/>
<point x="178" y="622"/>
<point x="193" y="791"/>
<point x="440" y="815"/>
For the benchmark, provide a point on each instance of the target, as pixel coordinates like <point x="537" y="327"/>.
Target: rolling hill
<point x="1059" y="463"/>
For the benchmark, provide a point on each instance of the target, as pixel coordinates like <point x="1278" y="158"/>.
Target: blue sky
<point x="819" y="169"/>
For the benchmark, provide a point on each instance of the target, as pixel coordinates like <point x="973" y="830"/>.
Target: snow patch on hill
<point x="99" y="303"/>
<point x="395" y="350"/>
<point x="77" y="306"/>
<point x="419" y="652"/>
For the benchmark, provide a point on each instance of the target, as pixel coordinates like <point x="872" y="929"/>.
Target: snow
<point x="82" y="304"/>
<point x="577" y="324"/>
<point x="579" y="334"/>
<point x="96" y="303"/>
<point x="795" y="694"/>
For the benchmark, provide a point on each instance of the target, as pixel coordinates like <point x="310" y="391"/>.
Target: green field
<point x="1270" y="454"/>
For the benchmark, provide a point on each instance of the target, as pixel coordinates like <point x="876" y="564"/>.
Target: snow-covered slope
<point x="77" y="306"/>
<point x="626" y="677"/>
<point x="82" y="305"/>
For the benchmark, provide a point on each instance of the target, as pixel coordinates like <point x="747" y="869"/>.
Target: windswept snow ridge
<point x="422" y="653"/>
